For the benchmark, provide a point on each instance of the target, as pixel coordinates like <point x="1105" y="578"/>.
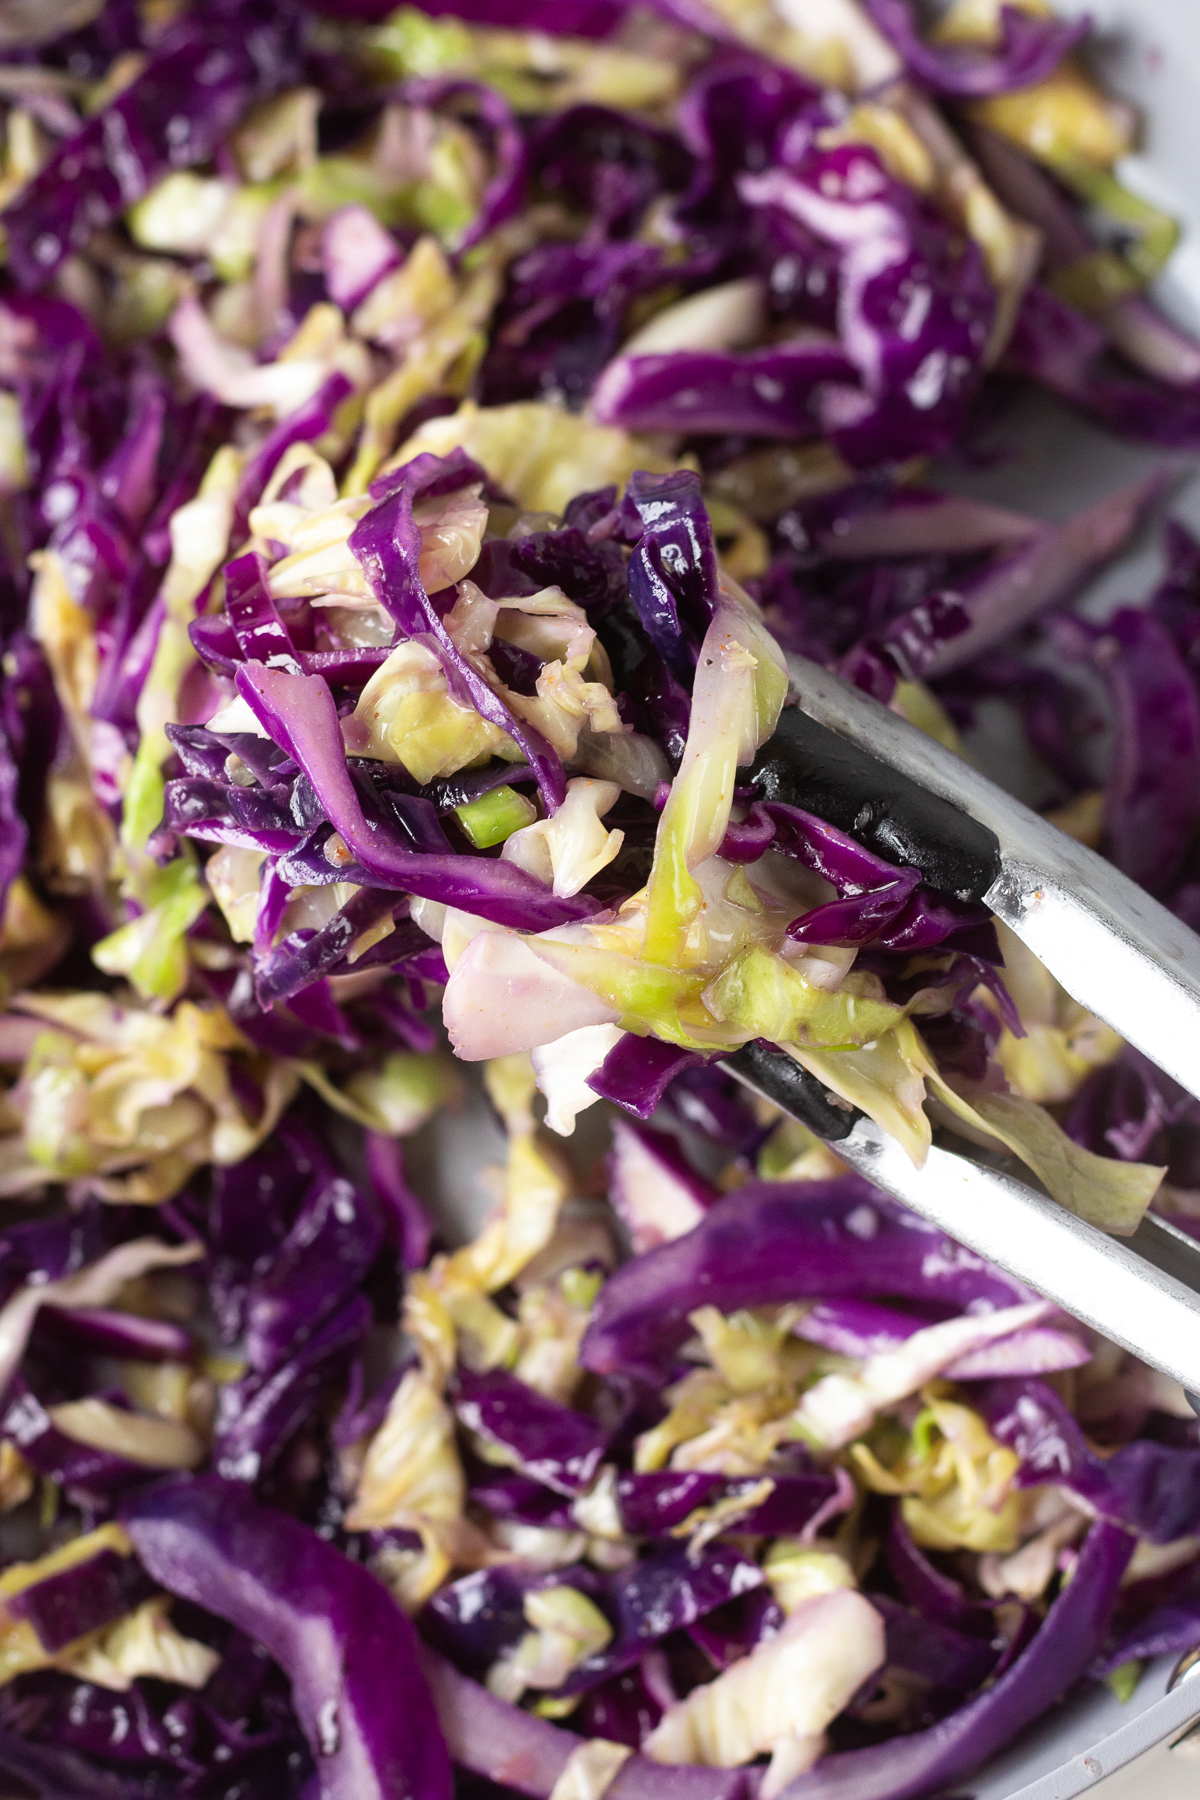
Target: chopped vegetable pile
<point x="422" y="437"/>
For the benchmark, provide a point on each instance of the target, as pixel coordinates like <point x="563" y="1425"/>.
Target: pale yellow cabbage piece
<point x="144" y="1644"/>
<point x="412" y="1478"/>
<point x="567" y="1629"/>
<point x="740" y="686"/>
<point x="797" y="1571"/>
<point x="138" y="1099"/>
<point x="396" y="1097"/>
<point x="1063" y="1042"/>
<point x="1109" y="1194"/>
<point x="538" y="453"/>
<point x="780" y="1697"/>
<point x="955" y="1479"/>
<point x="590" y="1770"/>
<point x="886" y="1080"/>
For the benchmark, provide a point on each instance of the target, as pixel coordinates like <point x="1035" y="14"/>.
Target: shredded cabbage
<point x="421" y="440"/>
<point x="781" y="1697"/>
<point x="956" y="1481"/>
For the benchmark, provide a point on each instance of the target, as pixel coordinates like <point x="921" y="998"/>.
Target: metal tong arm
<point x="864" y="768"/>
<point x="1138" y="1291"/>
<point x="1113" y="948"/>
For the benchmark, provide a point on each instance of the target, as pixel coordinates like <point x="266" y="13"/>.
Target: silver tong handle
<point x="1113" y="948"/>
<point x="1135" y="1290"/>
<point x="1109" y="1283"/>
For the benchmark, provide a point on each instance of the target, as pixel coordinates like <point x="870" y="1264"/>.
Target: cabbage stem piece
<point x="741" y="681"/>
<point x="494" y="817"/>
<point x="644" y="996"/>
<point x="151" y="949"/>
<point x="199" y="541"/>
<point x="770" y="998"/>
<point x="1065" y="116"/>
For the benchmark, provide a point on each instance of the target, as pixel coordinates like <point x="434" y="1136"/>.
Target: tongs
<point x="844" y="756"/>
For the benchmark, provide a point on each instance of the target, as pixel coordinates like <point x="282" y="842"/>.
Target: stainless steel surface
<point x="1143" y="1750"/>
<point x="1114" y="949"/>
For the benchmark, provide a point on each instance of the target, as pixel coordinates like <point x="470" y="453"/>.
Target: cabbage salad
<point x="422" y="435"/>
